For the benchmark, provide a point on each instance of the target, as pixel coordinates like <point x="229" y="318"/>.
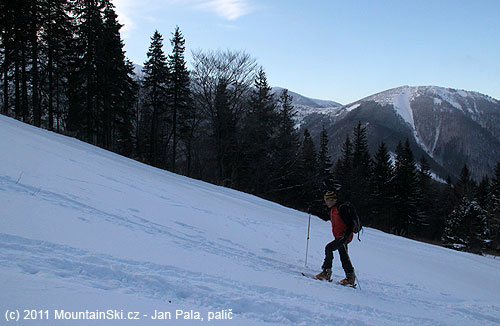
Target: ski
<point x="348" y="285"/>
<point x="312" y="276"/>
<point x="308" y="275"/>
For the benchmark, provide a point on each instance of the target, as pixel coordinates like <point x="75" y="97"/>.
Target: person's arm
<point x="324" y="217"/>
<point x="322" y="214"/>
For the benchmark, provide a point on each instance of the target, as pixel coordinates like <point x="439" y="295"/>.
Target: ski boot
<point x="326" y="274"/>
<point x="350" y="279"/>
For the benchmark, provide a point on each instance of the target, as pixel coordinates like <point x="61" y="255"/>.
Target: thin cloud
<point x="227" y="9"/>
<point x="124" y="9"/>
<point x="129" y="11"/>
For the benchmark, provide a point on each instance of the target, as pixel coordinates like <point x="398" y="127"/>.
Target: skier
<point x="342" y="227"/>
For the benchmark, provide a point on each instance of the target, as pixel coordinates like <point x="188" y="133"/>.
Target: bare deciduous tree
<point x="221" y="81"/>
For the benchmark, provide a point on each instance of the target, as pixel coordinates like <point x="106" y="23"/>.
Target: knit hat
<point x="330" y="195"/>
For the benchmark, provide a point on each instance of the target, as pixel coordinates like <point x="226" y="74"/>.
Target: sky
<point x="340" y="50"/>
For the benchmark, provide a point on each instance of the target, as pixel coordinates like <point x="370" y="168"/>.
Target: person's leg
<point x="346" y="261"/>
<point x="327" y="263"/>
<point x="350" y="277"/>
<point x="329" y="249"/>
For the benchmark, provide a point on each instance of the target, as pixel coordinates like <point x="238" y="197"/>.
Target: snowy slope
<point x="85" y="230"/>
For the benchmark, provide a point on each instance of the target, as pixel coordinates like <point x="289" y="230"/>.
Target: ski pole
<point x="357" y="280"/>
<point x="308" y="228"/>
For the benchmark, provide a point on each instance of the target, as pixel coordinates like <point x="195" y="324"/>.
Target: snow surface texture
<point x="85" y="229"/>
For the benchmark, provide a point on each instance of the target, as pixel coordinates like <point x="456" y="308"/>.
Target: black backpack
<point x="353" y="215"/>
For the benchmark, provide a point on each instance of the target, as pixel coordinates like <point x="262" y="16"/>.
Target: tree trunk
<point x="174" y="131"/>
<point x="50" y="71"/>
<point x="24" y="86"/>
<point x="37" y="113"/>
<point x="17" y="85"/>
<point x="6" y="78"/>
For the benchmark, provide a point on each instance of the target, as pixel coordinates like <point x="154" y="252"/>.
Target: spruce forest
<point x="64" y="68"/>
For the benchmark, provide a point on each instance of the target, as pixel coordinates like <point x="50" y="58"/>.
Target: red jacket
<point x="338" y="225"/>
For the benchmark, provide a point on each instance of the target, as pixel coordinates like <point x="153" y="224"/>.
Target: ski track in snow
<point x="115" y="227"/>
<point x="167" y="283"/>
<point x="187" y="235"/>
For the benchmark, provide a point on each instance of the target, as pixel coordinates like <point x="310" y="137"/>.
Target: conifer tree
<point x="15" y="30"/>
<point x="361" y="172"/>
<point x="446" y="204"/>
<point x="309" y="171"/>
<point x="116" y="88"/>
<point x="424" y="174"/>
<point x="35" y="23"/>
<point x="287" y="133"/>
<point x="405" y="182"/>
<point x="285" y="175"/>
<point x="156" y="82"/>
<point x="7" y="54"/>
<point x="382" y="197"/>
<point x="259" y="129"/>
<point x="179" y="94"/>
<point x="324" y="159"/>
<point x="493" y="208"/>
<point x="466" y="227"/>
<point x="343" y="170"/>
<point x="425" y="195"/>
<point x="83" y="114"/>
<point x="483" y="192"/>
<point x="466" y="186"/>
<point x="224" y="130"/>
<point x="400" y="215"/>
<point x="25" y="55"/>
<point x="57" y="36"/>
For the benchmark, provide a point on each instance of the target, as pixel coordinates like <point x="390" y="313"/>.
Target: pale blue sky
<point x="341" y="50"/>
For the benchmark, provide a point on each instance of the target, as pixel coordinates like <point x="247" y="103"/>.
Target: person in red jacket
<point x="342" y="228"/>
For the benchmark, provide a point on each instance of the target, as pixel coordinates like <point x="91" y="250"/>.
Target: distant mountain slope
<point x="307" y="101"/>
<point x="138" y="71"/>
<point x="451" y="127"/>
<point x="305" y="106"/>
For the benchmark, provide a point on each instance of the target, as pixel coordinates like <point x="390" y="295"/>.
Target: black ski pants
<point x="344" y="256"/>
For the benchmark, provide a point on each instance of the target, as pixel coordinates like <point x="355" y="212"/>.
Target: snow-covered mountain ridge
<point x="402" y="97"/>
<point x="452" y="127"/>
<point x="301" y="100"/>
<point x="305" y="106"/>
<point x="86" y="230"/>
<point x="449" y="94"/>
